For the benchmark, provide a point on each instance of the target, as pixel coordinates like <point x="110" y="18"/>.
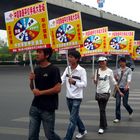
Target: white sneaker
<point x="116" y="120"/>
<point x="131" y="115"/>
<point x="79" y="135"/>
<point x="101" y="131"/>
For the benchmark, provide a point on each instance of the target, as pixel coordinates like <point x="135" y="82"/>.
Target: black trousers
<point x="102" y="108"/>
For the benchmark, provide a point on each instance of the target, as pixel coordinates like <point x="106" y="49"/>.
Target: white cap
<point x="102" y="58"/>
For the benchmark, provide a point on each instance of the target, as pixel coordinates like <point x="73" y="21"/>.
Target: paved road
<point x="16" y="97"/>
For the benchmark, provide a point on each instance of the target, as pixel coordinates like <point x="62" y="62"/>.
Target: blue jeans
<point x="48" y="120"/>
<point x="125" y="103"/>
<point x="74" y="106"/>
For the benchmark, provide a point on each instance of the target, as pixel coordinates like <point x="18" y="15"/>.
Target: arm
<point x="54" y="90"/>
<point x="115" y="83"/>
<point x="129" y="77"/>
<point x="31" y="78"/>
<point x="82" y="83"/>
<point x="95" y="77"/>
<point x="118" y="89"/>
<point x="63" y="77"/>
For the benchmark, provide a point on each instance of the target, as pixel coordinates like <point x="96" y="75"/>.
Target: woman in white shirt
<point x="103" y="77"/>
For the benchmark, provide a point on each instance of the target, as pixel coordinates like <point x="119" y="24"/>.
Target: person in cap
<point x="102" y="78"/>
<point x="47" y="86"/>
<point x="124" y="76"/>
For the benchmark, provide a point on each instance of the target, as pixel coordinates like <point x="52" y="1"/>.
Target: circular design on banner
<point x="65" y="33"/>
<point x="118" y="43"/>
<point x="92" y="42"/>
<point x="26" y="29"/>
<point x="138" y="50"/>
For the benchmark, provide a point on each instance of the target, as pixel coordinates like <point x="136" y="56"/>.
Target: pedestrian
<point x="76" y="80"/>
<point x="124" y="76"/>
<point x="47" y="86"/>
<point x="102" y="78"/>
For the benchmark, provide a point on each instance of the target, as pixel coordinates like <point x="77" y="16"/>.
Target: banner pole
<point x="69" y="71"/>
<point x="117" y="61"/>
<point x="93" y="58"/>
<point x="31" y="66"/>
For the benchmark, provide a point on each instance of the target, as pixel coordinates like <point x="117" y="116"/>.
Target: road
<point x="16" y="97"/>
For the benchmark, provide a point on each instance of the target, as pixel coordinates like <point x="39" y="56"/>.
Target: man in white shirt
<point x="76" y="80"/>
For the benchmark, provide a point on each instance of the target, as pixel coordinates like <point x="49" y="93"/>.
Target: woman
<point x="124" y="76"/>
<point x="102" y="78"/>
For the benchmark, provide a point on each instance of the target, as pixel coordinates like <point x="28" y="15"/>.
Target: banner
<point x="121" y="42"/>
<point x="95" y="42"/>
<point x="66" y="31"/>
<point x="136" y="54"/>
<point x="27" y="27"/>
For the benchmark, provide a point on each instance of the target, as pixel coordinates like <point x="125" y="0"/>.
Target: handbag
<point x="101" y="96"/>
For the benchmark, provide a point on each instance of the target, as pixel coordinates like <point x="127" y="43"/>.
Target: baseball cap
<point x="102" y="58"/>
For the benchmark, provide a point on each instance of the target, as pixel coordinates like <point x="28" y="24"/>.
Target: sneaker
<point x="79" y="135"/>
<point x="116" y="120"/>
<point x="101" y="131"/>
<point x="131" y="115"/>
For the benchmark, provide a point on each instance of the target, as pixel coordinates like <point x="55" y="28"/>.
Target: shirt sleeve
<point x="129" y="75"/>
<point x="95" y="75"/>
<point x="57" y="77"/>
<point x="83" y="82"/>
<point x="112" y="78"/>
<point x="63" y="77"/>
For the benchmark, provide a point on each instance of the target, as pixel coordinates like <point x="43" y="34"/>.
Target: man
<point x="47" y="86"/>
<point x="124" y="76"/>
<point x="76" y="79"/>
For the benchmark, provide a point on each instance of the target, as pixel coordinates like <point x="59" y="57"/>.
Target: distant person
<point x="102" y="78"/>
<point x="47" y="86"/>
<point x="75" y="77"/>
<point x="124" y="76"/>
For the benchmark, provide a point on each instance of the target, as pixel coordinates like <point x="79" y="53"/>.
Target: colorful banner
<point x="66" y="31"/>
<point x="121" y="42"/>
<point x="136" y="54"/>
<point x="27" y="27"/>
<point x="95" y="42"/>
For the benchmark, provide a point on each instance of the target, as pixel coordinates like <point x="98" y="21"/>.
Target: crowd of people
<point x="46" y="83"/>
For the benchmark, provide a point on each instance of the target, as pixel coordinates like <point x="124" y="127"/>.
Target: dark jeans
<point x="48" y="121"/>
<point x="74" y="106"/>
<point x="125" y="103"/>
<point x="102" y="108"/>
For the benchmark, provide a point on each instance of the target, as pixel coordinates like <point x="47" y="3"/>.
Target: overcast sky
<point x="125" y="8"/>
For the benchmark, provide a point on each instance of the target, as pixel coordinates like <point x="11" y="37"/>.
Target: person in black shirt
<point x="47" y="86"/>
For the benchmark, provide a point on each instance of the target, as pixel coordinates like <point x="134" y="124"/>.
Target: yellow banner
<point x="66" y="31"/>
<point x="27" y="27"/>
<point x="95" y="42"/>
<point x="136" y="54"/>
<point x="121" y="42"/>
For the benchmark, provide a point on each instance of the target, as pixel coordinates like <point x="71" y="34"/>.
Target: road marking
<point x="91" y="122"/>
<point x="90" y="136"/>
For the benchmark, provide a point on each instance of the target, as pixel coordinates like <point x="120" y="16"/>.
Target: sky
<point x="124" y="8"/>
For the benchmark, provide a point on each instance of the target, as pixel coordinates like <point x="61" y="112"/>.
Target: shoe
<point x="101" y="131"/>
<point x="79" y="135"/>
<point x="116" y="120"/>
<point x="131" y="115"/>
